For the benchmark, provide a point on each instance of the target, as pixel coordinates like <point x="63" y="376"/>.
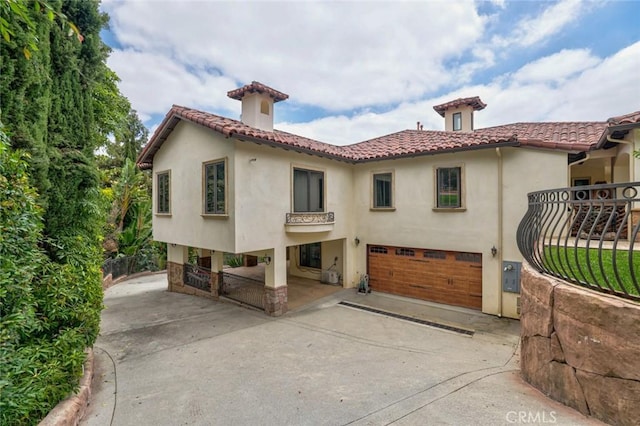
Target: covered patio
<point x="245" y="284"/>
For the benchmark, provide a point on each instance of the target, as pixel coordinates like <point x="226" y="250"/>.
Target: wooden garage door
<point x="454" y="278"/>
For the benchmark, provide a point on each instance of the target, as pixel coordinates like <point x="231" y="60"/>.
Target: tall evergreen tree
<point x="54" y="103"/>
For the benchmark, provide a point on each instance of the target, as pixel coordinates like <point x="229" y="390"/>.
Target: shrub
<point x="49" y="310"/>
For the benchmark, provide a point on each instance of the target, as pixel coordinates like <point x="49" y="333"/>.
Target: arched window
<point x="264" y="107"/>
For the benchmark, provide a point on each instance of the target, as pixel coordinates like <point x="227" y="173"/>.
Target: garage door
<point x="454" y="278"/>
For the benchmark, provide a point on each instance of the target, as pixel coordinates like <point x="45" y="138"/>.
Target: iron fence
<point x="119" y="266"/>
<point x="242" y="289"/>
<point x="197" y="277"/>
<point x="586" y="235"/>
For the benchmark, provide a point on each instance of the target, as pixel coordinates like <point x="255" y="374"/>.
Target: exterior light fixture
<point x="494" y="251"/>
<point x="267" y="260"/>
<point x="356" y="241"/>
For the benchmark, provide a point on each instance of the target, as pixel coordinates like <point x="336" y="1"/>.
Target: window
<point x="311" y="255"/>
<point x="457" y="121"/>
<point x="264" y="107"/>
<point x="308" y="190"/>
<point x="214" y="187"/>
<point x="449" y="187"/>
<point x="382" y="191"/>
<point x="434" y="254"/>
<point x="405" y="252"/>
<point x="163" y="190"/>
<point x="378" y="249"/>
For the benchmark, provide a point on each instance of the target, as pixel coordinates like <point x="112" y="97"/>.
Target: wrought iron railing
<point x="127" y="265"/>
<point x="243" y="289"/>
<point x="310" y="218"/>
<point x="197" y="277"/>
<point x="586" y="235"/>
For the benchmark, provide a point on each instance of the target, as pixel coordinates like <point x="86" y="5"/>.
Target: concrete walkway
<point x="171" y="359"/>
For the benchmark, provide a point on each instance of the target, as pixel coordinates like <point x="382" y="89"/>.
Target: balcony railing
<point x="309" y="222"/>
<point x="586" y="235"/>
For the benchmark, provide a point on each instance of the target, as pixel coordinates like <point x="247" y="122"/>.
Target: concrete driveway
<point x="171" y="359"/>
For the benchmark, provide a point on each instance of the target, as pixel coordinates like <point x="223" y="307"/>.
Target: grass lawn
<point x="578" y="259"/>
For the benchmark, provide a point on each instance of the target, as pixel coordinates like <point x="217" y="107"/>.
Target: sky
<point x="356" y="70"/>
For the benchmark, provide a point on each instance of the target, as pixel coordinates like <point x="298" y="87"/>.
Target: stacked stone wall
<point x="581" y="348"/>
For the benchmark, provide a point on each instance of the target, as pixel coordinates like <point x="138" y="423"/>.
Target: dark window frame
<point x="163" y="192"/>
<point x="457" y="121"/>
<point x="383" y="199"/>
<point x="449" y="195"/>
<point x="214" y="199"/>
<point x="311" y="176"/>
<point x="311" y="255"/>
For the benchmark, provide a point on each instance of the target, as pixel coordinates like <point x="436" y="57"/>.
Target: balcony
<point x="586" y="235"/>
<point x="309" y="222"/>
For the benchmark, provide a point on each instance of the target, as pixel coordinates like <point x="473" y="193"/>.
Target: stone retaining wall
<point x="581" y="348"/>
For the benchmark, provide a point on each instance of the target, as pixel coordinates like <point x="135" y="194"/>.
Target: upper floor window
<point x="382" y="190"/>
<point x="449" y="187"/>
<point x="215" y="187"/>
<point x="457" y="121"/>
<point x="308" y="190"/>
<point x="163" y="192"/>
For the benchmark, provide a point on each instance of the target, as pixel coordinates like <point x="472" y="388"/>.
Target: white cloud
<point x="596" y="92"/>
<point x="557" y="67"/>
<point x="336" y="55"/>
<point x="152" y="83"/>
<point x="341" y="56"/>
<point x="532" y="30"/>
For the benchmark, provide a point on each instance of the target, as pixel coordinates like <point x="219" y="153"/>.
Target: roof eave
<point x="510" y="143"/>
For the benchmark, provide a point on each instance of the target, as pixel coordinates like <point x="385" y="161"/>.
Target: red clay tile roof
<point x="569" y="136"/>
<point x="422" y="142"/>
<point x="256" y="87"/>
<point x="631" y="118"/>
<point x="473" y="102"/>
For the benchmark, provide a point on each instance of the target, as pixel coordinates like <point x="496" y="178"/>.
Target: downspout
<point x="500" y="226"/>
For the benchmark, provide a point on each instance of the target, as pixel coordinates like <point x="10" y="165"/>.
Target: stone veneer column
<point x="177" y="256"/>
<point x="275" y="301"/>
<point x="175" y="274"/>
<point x="275" y="283"/>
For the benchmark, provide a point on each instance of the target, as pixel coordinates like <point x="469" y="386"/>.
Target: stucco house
<point x="426" y="214"/>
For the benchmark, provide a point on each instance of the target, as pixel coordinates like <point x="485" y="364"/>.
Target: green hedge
<point x="49" y="311"/>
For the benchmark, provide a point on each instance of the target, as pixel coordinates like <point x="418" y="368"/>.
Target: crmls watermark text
<point x="531" y="417"/>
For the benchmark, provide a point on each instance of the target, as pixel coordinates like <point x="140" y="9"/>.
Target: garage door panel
<point x="453" y="278"/>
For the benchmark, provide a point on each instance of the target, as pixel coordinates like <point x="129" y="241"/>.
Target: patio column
<point x="177" y="256"/>
<point x="275" y="283"/>
<point x="217" y="261"/>
<point x="204" y="258"/>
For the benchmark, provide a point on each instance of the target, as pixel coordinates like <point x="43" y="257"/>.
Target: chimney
<point x="257" y="104"/>
<point x="458" y="114"/>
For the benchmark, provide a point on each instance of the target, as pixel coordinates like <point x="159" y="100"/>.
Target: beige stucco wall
<point x="414" y="223"/>
<point x="183" y="153"/>
<point x="259" y="196"/>
<point x="467" y="118"/>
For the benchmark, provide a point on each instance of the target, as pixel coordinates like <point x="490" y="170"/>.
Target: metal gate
<point x="242" y="289"/>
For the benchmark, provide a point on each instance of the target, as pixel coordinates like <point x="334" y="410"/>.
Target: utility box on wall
<point x="511" y="276"/>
